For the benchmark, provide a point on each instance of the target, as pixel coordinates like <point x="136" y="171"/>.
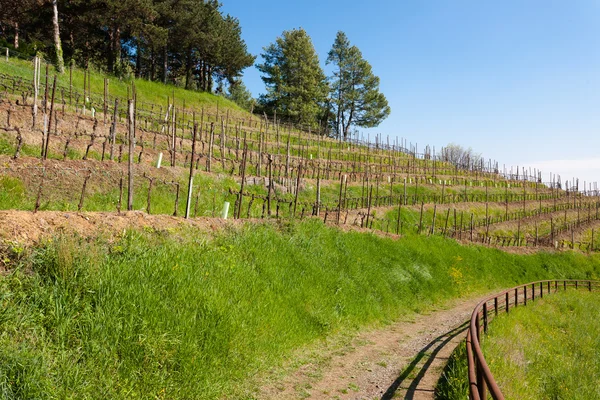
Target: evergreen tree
<point x="241" y="95"/>
<point x="187" y="42"/>
<point x="355" y="96"/>
<point x="296" y="85"/>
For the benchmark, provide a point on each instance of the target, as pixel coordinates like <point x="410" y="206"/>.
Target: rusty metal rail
<point x="480" y="377"/>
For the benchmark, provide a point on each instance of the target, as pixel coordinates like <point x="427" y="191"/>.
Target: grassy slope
<point x="149" y="92"/>
<point x="178" y="315"/>
<point x="548" y="350"/>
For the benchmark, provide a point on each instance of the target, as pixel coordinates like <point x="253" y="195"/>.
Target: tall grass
<point x="147" y="91"/>
<point x="180" y="315"/>
<point x="549" y="349"/>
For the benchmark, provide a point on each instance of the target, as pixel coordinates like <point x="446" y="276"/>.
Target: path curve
<point x="402" y="361"/>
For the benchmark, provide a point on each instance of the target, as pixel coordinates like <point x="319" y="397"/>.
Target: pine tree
<point x="296" y="84"/>
<point x="355" y="95"/>
<point x="240" y="95"/>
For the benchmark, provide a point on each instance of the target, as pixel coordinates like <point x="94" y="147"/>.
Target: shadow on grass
<point x="429" y="353"/>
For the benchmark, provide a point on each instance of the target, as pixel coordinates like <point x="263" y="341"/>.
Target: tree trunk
<point x="205" y="76"/>
<point x="349" y="122"/>
<point x="114" y="53"/>
<point x="138" y="59"/>
<point x="165" y="64"/>
<point x="60" y="63"/>
<point x="338" y="122"/>
<point x="201" y="77"/>
<point x="117" y="46"/>
<point x="209" y="80"/>
<point x="188" y="68"/>
<point x="152" y="65"/>
<point x="16" y="35"/>
<point x="110" y="59"/>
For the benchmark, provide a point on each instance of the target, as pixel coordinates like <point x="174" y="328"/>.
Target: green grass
<point x="549" y="350"/>
<point x="454" y="383"/>
<point x="148" y="92"/>
<point x="179" y="315"/>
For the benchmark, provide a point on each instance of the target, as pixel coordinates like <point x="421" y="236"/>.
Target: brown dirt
<point x="27" y="228"/>
<point x="403" y="360"/>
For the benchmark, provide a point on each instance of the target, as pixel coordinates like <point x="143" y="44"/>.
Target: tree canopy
<point x="296" y="84"/>
<point x="460" y="156"/>
<point x="355" y="96"/>
<point x="188" y="42"/>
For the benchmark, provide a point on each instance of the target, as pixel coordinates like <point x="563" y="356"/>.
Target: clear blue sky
<point x="516" y="80"/>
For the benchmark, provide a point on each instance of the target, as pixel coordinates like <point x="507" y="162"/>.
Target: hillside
<point x="110" y="293"/>
<point x="286" y="172"/>
<point x="76" y="83"/>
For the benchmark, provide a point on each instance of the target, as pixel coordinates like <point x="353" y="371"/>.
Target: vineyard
<point x="65" y="147"/>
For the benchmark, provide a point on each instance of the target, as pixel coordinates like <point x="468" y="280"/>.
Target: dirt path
<point x="403" y="360"/>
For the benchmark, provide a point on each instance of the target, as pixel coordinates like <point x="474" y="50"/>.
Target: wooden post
<point x="49" y="127"/>
<point x="223" y="143"/>
<point x="506" y="200"/>
<point x="433" y="221"/>
<point x="446" y="224"/>
<point x="191" y="177"/>
<point x="471" y="227"/>
<point x="297" y="188"/>
<point x="210" y="147"/>
<point x="343" y="178"/>
<point x="241" y="194"/>
<point x="36" y="88"/>
<point x="105" y="109"/>
<point x="130" y="158"/>
<point x="370" y="194"/>
<point x="270" y="187"/>
<point x="421" y="218"/>
<point x="113" y="130"/>
<point x="287" y="158"/>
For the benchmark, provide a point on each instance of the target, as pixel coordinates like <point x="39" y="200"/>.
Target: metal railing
<point x="481" y="379"/>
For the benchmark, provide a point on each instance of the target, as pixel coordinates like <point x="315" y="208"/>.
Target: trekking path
<point x="401" y="361"/>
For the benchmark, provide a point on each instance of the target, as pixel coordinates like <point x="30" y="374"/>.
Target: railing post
<point x="478" y="378"/>
<point x="496" y="305"/>
<point x="485" y="317"/>
<point x="480" y="381"/>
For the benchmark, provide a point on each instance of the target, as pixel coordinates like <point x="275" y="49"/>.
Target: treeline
<point x="187" y="42"/>
<point x="193" y="44"/>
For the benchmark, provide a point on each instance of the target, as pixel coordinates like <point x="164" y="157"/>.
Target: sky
<point x="516" y="80"/>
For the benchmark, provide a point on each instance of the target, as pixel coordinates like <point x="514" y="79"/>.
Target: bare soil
<point x="402" y="360"/>
<point x="27" y="228"/>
